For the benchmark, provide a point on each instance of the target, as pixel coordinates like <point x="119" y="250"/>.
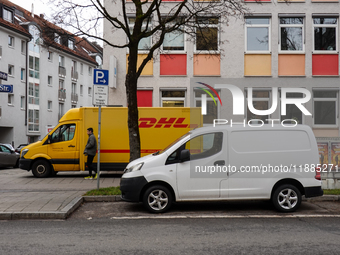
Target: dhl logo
<point x="164" y="123"/>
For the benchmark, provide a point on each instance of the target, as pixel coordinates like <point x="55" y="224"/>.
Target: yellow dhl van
<point x="62" y="149"/>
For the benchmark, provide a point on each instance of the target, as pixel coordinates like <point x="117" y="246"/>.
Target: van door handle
<point x="219" y="163"/>
<point x="71" y="145"/>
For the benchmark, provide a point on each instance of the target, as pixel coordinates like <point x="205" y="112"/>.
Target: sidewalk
<point x="23" y="196"/>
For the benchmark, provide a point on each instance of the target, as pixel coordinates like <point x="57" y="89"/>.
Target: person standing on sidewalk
<point x="90" y="151"/>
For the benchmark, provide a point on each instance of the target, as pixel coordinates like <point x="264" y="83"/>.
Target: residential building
<point x="278" y="44"/>
<point x="49" y="70"/>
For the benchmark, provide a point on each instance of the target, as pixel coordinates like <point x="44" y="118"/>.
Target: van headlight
<point x="134" y="168"/>
<point x="23" y="152"/>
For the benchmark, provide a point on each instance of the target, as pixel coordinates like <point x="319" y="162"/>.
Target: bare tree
<point x="151" y="18"/>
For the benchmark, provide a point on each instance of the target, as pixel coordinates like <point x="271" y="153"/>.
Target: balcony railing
<point x="74" y="75"/>
<point x="62" y="71"/>
<point x="74" y="98"/>
<point x="62" y="94"/>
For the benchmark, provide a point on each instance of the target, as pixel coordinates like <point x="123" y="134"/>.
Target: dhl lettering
<point x="147" y="122"/>
<point x="163" y="122"/>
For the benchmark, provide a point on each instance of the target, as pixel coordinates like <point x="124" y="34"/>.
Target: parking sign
<point x="101" y="77"/>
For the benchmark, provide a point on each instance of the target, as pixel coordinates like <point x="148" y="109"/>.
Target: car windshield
<point x="171" y="144"/>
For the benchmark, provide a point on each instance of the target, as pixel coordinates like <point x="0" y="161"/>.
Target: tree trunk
<point x="131" y="92"/>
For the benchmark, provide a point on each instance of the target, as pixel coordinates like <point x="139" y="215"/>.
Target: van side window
<point x="204" y="146"/>
<point x="64" y="133"/>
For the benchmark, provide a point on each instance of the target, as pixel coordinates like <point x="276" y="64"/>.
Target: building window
<point x="49" y="105"/>
<point x="74" y="88"/>
<point x="81" y="68"/>
<point x="33" y="45"/>
<point x="325" y="33"/>
<point x="258" y="35"/>
<point x="292" y="111"/>
<point x="291" y="34"/>
<point x="212" y="108"/>
<point x="34" y="67"/>
<point x="23" y="47"/>
<point x="61" y="61"/>
<point x="11" y="70"/>
<point x="49" y="80"/>
<point x="0" y="112"/>
<point x="49" y="55"/>
<point x="33" y="120"/>
<point x="90" y="91"/>
<point x="33" y="93"/>
<point x="81" y="90"/>
<point x="173" y="98"/>
<point x="60" y="110"/>
<point x="325" y="107"/>
<point x="22" y="102"/>
<point x="61" y="84"/>
<point x="145" y="43"/>
<point x="10" y="99"/>
<point x="57" y="38"/>
<point x="71" y="44"/>
<point x="7" y="15"/>
<point x="207" y="36"/>
<point x="174" y="41"/>
<point x="10" y="41"/>
<point x="23" y="74"/>
<point x="90" y="70"/>
<point x="260" y="102"/>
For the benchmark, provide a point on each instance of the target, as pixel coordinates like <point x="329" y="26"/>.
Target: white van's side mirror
<point x="185" y="155"/>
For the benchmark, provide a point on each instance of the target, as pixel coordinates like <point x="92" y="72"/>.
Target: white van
<point x="228" y="163"/>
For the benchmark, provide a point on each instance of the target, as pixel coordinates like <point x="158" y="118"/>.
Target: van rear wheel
<point x="41" y="169"/>
<point x="286" y="198"/>
<point x="157" y="199"/>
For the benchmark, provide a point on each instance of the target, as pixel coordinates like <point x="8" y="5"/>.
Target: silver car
<point x="8" y="157"/>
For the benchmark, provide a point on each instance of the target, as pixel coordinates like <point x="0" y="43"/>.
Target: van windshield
<point x="171" y="144"/>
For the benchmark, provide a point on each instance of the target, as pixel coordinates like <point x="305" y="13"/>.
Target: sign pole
<point x="100" y="97"/>
<point x="99" y="131"/>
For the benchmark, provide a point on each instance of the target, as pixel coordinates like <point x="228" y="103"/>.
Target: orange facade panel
<point x="292" y="65"/>
<point x="207" y="65"/>
<point x="257" y="65"/>
<point x="148" y="69"/>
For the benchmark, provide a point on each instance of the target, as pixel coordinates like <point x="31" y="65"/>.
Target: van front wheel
<point x="157" y="199"/>
<point x="286" y="198"/>
<point x="41" y="169"/>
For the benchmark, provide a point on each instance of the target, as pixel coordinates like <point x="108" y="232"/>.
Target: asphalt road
<point x="172" y="236"/>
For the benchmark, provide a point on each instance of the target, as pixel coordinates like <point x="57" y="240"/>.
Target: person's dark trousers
<point x="90" y="166"/>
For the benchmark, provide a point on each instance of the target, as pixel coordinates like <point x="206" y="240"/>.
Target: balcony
<point x="74" y="98"/>
<point x="62" y="95"/>
<point x="74" y="75"/>
<point x="62" y="71"/>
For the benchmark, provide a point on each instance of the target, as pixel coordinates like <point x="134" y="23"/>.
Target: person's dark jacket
<point x="91" y="146"/>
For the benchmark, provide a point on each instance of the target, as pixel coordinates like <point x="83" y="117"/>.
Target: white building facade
<point x="49" y="75"/>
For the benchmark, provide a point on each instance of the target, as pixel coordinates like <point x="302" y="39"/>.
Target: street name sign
<point x="3" y="76"/>
<point x="6" y="88"/>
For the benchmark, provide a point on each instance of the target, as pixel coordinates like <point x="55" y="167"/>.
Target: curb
<point x="102" y="198"/>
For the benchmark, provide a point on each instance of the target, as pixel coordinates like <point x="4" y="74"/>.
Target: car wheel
<point x="286" y="198"/>
<point x="157" y="199"/>
<point x="41" y="169"/>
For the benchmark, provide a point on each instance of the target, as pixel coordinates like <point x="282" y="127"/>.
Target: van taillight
<point x="318" y="173"/>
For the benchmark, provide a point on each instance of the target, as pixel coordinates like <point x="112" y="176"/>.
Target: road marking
<point x="225" y="216"/>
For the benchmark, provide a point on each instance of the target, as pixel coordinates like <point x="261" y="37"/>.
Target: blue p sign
<point x="101" y="77"/>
